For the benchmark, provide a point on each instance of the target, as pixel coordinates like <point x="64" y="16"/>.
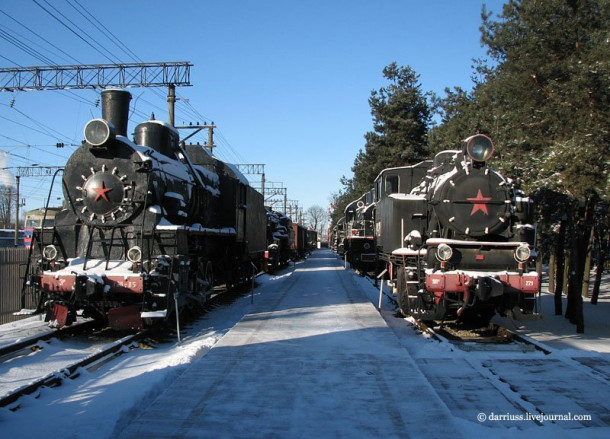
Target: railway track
<point x="469" y="340"/>
<point x="28" y="352"/>
<point x="19" y="346"/>
<point x="519" y="375"/>
<point x="72" y="370"/>
<point x="499" y="338"/>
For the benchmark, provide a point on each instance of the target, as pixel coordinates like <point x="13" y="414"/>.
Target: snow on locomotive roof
<point x="230" y="169"/>
<point x="172" y="167"/>
<point x="383" y="171"/>
<point x="165" y="124"/>
<point x="169" y="165"/>
<point x="241" y="177"/>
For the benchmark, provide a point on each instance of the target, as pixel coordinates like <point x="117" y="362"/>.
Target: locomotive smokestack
<point x="115" y="109"/>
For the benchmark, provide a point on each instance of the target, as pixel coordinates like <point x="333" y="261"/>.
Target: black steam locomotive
<point x="456" y="236"/>
<point x="148" y="226"/>
<point x="336" y="237"/>
<point x="280" y="238"/>
<point x="359" y="244"/>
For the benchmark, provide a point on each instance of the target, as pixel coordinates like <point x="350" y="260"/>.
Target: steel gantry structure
<point x="91" y="76"/>
<point x="156" y="74"/>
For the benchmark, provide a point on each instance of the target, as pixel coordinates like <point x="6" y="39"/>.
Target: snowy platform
<point x="558" y="333"/>
<point x="311" y="359"/>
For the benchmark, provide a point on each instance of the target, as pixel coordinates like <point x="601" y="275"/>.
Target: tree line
<point x="543" y="95"/>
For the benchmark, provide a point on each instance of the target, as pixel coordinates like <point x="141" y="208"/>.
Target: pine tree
<point x="549" y="83"/>
<point x="401" y="116"/>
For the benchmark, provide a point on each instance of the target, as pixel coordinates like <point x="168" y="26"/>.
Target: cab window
<point x="391" y="184"/>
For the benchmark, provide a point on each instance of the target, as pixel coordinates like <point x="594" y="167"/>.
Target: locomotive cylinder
<point x="115" y="109"/>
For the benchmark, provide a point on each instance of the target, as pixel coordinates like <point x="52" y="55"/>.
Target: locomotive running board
<point x="154" y="314"/>
<point x="437" y="241"/>
<point x="26" y="312"/>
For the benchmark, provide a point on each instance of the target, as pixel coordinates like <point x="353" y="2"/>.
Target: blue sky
<point x="286" y="82"/>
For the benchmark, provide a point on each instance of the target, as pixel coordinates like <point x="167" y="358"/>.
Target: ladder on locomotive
<point x="116" y="238"/>
<point x="416" y="264"/>
<point x="41" y="237"/>
<point x="107" y="243"/>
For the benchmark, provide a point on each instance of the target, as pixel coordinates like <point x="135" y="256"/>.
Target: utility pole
<point x="197" y="128"/>
<point x="171" y="102"/>
<point x="17" y="211"/>
<point x="211" y="137"/>
<point x="294" y="205"/>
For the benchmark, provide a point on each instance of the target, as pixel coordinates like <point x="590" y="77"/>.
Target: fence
<point x="12" y="271"/>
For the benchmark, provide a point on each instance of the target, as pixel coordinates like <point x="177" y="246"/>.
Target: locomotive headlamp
<point x="479" y="147"/>
<point x="98" y="132"/>
<point x="444" y="252"/>
<point x="522" y="253"/>
<point x="134" y="254"/>
<point x="49" y="253"/>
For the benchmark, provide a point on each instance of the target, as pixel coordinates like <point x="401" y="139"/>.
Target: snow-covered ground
<point x="558" y="333"/>
<point x="470" y="396"/>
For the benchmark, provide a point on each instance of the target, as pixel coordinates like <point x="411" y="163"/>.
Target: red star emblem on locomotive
<point x="101" y="192"/>
<point x="479" y="203"/>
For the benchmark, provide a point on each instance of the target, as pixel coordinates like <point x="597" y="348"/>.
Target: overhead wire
<point x="29" y="127"/>
<point x="9" y="60"/>
<point x="62" y="136"/>
<point x="109" y="58"/>
<point x="184" y="104"/>
<point x="239" y="158"/>
<point x="26" y="48"/>
<point x="12" y="154"/>
<point x="103" y="29"/>
<point x="41" y="37"/>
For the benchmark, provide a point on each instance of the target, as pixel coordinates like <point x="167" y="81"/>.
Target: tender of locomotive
<point x="457" y="236"/>
<point x="148" y="226"/>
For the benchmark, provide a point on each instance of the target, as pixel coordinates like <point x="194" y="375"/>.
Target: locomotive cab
<point x="398" y="210"/>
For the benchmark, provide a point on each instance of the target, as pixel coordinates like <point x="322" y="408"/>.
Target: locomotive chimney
<point x="115" y="109"/>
